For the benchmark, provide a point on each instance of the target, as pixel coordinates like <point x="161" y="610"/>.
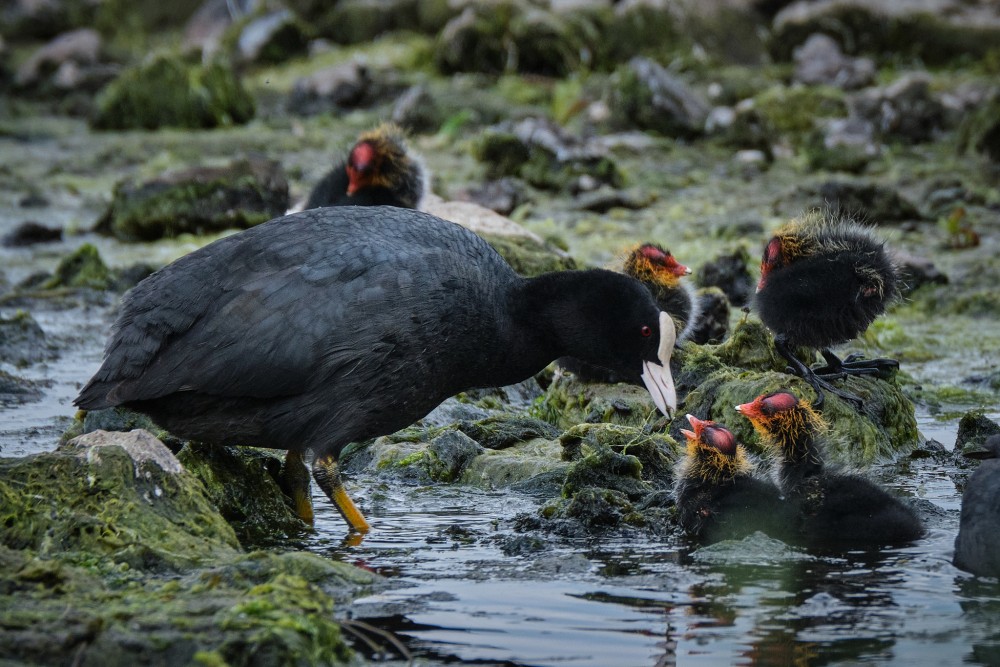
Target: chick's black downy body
<point x="338" y="324"/>
<point x="824" y="282"/>
<point x="836" y="510"/>
<point x="718" y="497"/>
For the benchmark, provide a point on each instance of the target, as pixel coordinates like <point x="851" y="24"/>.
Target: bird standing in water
<point x="335" y="325"/>
<point x="823" y="281"/>
<point x="718" y="498"/>
<point x="837" y="510"/>
<point x="379" y="170"/>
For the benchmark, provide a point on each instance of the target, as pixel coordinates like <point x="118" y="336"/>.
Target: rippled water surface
<point x="470" y="589"/>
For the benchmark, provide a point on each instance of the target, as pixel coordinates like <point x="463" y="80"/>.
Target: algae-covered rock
<point x="842" y="144"/>
<point x="120" y="497"/>
<point x="543" y="154"/>
<point x="820" y="61"/>
<point x="200" y="200"/>
<point x="83" y="268"/>
<point x="254" y="609"/>
<point x="516" y="36"/>
<point x="794" y="111"/>
<point x="906" y="110"/>
<point x="529" y="258"/>
<point x="973" y="430"/>
<point x="713" y="379"/>
<point x="243" y="483"/>
<point x="169" y="92"/>
<point x="980" y="131"/>
<point x="272" y="38"/>
<point x="22" y="340"/>
<point x="503" y="431"/>
<point x="645" y="95"/>
<point x="933" y="32"/>
<point x="16" y="390"/>
<point x="569" y="401"/>
<point x="875" y="202"/>
<point x="589" y="444"/>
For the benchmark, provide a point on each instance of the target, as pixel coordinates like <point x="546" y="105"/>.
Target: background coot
<point x="823" y="281"/>
<point x="379" y="170"/>
<point x="339" y="324"/>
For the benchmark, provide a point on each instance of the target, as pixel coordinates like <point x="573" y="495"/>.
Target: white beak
<point x="656" y="377"/>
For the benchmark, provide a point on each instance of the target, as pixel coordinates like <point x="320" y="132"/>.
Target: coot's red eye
<point x="646" y="332"/>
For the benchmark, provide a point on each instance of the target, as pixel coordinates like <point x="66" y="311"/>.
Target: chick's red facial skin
<point x="771" y="260"/>
<point x="361" y="167"/>
<point x="661" y="259"/>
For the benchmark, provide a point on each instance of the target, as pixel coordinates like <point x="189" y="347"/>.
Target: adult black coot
<point x="823" y="281"/>
<point x="379" y="170"/>
<point x="718" y="498"/>
<point x="661" y="273"/>
<point x="977" y="546"/>
<point x="837" y="510"/>
<point x="334" y="325"/>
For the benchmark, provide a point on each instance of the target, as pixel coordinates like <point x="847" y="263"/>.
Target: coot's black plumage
<point x="661" y="273"/>
<point x="379" y="171"/>
<point x="837" y="509"/>
<point x="338" y="324"/>
<point x="977" y="547"/>
<point x="718" y="498"/>
<point x="823" y="281"/>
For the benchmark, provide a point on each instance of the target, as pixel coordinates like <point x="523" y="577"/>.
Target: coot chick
<point x="837" y="510"/>
<point x="334" y="325"/>
<point x="718" y="498"/>
<point x="977" y="546"/>
<point x="823" y="281"/>
<point x="378" y="171"/>
<point x="657" y="269"/>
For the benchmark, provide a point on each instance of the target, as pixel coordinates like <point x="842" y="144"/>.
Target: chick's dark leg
<point x="819" y="384"/>
<point x="327" y="476"/>
<point x="294" y="481"/>
<point x="855" y="364"/>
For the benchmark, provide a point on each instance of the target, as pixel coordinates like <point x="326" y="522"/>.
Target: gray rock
<point x="646" y="95"/>
<point x="206" y="27"/>
<point x="30" y="233"/>
<point x="142" y="446"/>
<point x="453" y="452"/>
<point x="416" y="110"/>
<point x="820" y="61"/>
<point x="79" y="47"/>
<point x="502" y="195"/>
<point x="917" y="272"/>
<point x="843" y="144"/>
<point x="876" y="203"/>
<point x="342" y="86"/>
<point x="272" y="38"/>
<point x="974" y="429"/>
<point x="905" y="110"/>
<point x="22" y="341"/>
<point x="16" y="390"/>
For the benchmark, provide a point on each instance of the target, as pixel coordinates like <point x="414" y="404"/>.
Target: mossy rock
<point x="715" y="378"/>
<point x="607" y="469"/>
<point x="893" y="30"/>
<point x="656" y="452"/>
<point x="243" y="483"/>
<point x="529" y="258"/>
<point x="541" y="154"/>
<point x="980" y="131"/>
<point x="259" y="608"/>
<point x="974" y="429"/>
<point x="595" y="509"/>
<point x="638" y="28"/>
<point x="793" y="111"/>
<point x="117" y="497"/>
<point x="83" y="268"/>
<point x="569" y="401"/>
<point x="643" y="94"/>
<point x="201" y="200"/>
<point x="503" y="431"/>
<point x="170" y="92"/>
<point x="22" y="340"/>
<point x="514" y="36"/>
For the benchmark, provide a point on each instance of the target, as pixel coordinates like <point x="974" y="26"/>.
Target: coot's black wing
<point x="297" y="300"/>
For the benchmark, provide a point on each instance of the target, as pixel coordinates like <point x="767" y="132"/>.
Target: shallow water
<point x="472" y="590"/>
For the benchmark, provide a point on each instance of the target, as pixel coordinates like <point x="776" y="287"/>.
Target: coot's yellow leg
<point x="327" y="475"/>
<point x="295" y="483"/>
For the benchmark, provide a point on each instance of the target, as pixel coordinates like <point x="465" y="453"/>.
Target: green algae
<point x="607" y="469"/>
<point x="503" y="431"/>
<point x="527" y="257"/>
<point x="793" y="111"/>
<point x="82" y="268"/>
<point x="568" y="402"/>
<point x="102" y="503"/>
<point x="169" y="92"/>
<point x="243" y="483"/>
<point x="197" y="201"/>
